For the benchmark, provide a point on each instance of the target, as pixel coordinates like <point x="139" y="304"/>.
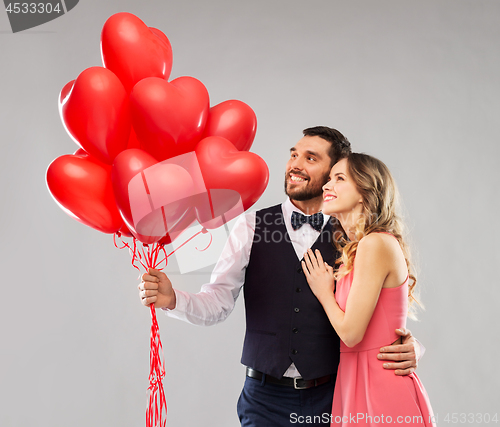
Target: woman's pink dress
<point x="366" y="394"/>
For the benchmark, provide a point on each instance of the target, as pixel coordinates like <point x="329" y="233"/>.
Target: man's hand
<point x="404" y="355"/>
<point x="156" y="288"/>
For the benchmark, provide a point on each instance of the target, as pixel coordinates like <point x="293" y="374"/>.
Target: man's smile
<point x="296" y="179"/>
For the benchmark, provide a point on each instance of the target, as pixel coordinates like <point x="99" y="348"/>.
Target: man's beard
<point x="310" y="191"/>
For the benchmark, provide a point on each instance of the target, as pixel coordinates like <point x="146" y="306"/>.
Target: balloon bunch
<point x="153" y="157"/>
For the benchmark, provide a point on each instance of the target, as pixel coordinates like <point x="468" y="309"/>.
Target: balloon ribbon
<point x="153" y="256"/>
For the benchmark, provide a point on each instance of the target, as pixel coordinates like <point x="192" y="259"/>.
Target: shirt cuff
<point x="180" y="303"/>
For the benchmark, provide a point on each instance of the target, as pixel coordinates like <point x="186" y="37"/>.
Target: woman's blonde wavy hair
<point x="381" y="214"/>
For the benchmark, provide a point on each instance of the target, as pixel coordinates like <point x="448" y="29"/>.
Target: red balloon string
<point x="151" y="256"/>
<point x="154" y="256"/>
<point x="156" y="412"/>
<point x="204" y="231"/>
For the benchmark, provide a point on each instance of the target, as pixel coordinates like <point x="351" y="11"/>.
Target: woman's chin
<point x="327" y="211"/>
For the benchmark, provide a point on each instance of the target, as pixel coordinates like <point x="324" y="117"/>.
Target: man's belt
<point x="297" y="383"/>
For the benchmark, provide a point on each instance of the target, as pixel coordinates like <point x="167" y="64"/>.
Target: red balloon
<point x="127" y="165"/>
<point x="82" y="186"/>
<point x="152" y="197"/>
<point x="124" y="231"/>
<point x="233" y="120"/>
<point x="95" y="111"/>
<point x="231" y="177"/>
<point x="133" y="51"/>
<point x="160" y="34"/>
<point x="169" y="118"/>
<point x="133" y="142"/>
<point x="65" y="92"/>
<point x="181" y="226"/>
<point x="81" y="153"/>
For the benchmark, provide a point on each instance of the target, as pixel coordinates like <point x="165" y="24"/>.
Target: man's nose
<point x="297" y="163"/>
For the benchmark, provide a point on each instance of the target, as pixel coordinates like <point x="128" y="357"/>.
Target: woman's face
<point x="340" y="195"/>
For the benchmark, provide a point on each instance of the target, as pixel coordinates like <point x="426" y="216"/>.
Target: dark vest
<point x="285" y="321"/>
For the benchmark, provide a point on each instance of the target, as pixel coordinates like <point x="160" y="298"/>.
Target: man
<point x="291" y="350"/>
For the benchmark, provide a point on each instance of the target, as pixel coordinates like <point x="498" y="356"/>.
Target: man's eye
<point x="311" y="158"/>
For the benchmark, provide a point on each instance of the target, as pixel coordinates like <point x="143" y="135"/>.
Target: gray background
<point x="414" y="83"/>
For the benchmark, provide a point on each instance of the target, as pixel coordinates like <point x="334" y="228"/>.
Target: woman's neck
<point x="348" y="222"/>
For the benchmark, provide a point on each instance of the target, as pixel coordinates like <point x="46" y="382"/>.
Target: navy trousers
<point x="270" y="405"/>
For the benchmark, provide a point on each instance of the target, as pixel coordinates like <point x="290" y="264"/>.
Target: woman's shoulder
<point x="378" y="241"/>
<point x="384" y="251"/>
<point x="380" y="245"/>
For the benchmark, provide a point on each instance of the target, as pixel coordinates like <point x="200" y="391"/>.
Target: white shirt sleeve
<point x="216" y="299"/>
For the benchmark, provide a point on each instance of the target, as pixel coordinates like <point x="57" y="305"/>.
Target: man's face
<point x="308" y="168"/>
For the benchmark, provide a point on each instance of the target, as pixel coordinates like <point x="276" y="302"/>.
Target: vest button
<point x="299" y="270"/>
<point x="296" y="310"/>
<point x="295" y="330"/>
<point x="294" y="351"/>
<point x="298" y="290"/>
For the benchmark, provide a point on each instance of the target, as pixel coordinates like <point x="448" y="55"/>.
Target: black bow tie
<point x="298" y="220"/>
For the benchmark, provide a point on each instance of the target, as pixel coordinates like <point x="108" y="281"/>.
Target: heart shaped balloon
<point x="153" y="197"/>
<point x="133" y="142"/>
<point x="65" y="91"/>
<point x="133" y="51"/>
<point x="233" y="120"/>
<point x="82" y="186"/>
<point x="234" y="179"/>
<point x="169" y="118"/>
<point x="95" y="111"/>
<point x="123" y="229"/>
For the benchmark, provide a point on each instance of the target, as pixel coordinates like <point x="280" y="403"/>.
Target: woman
<point x="375" y="286"/>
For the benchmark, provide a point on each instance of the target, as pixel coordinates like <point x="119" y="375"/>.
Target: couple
<point x="284" y="262"/>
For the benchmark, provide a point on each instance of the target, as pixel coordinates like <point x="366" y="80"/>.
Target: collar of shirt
<point x="303" y="238"/>
<point x="288" y="207"/>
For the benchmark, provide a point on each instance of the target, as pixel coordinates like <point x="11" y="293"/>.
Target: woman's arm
<point x="373" y="263"/>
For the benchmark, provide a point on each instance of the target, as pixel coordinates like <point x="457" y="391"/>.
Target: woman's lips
<point x="328" y="197"/>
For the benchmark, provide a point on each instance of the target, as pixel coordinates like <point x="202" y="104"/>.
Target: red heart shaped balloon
<point x="153" y="197"/>
<point x="169" y="118"/>
<point x="81" y="153"/>
<point x="65" y="91"/>
<point x="233" y="178"/>
<point x="133" y="142"/>
<point x="233" y="120"/>
<point x="82" y="186"/>
<point x="95" y="111"/>
<point x="128" y="164"/>
<point x="133" y="51"/>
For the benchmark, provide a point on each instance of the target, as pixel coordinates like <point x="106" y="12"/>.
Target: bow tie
<point x="298" y="220"/>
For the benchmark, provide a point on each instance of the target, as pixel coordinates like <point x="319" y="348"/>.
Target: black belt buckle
<point x="296" y="385"/>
